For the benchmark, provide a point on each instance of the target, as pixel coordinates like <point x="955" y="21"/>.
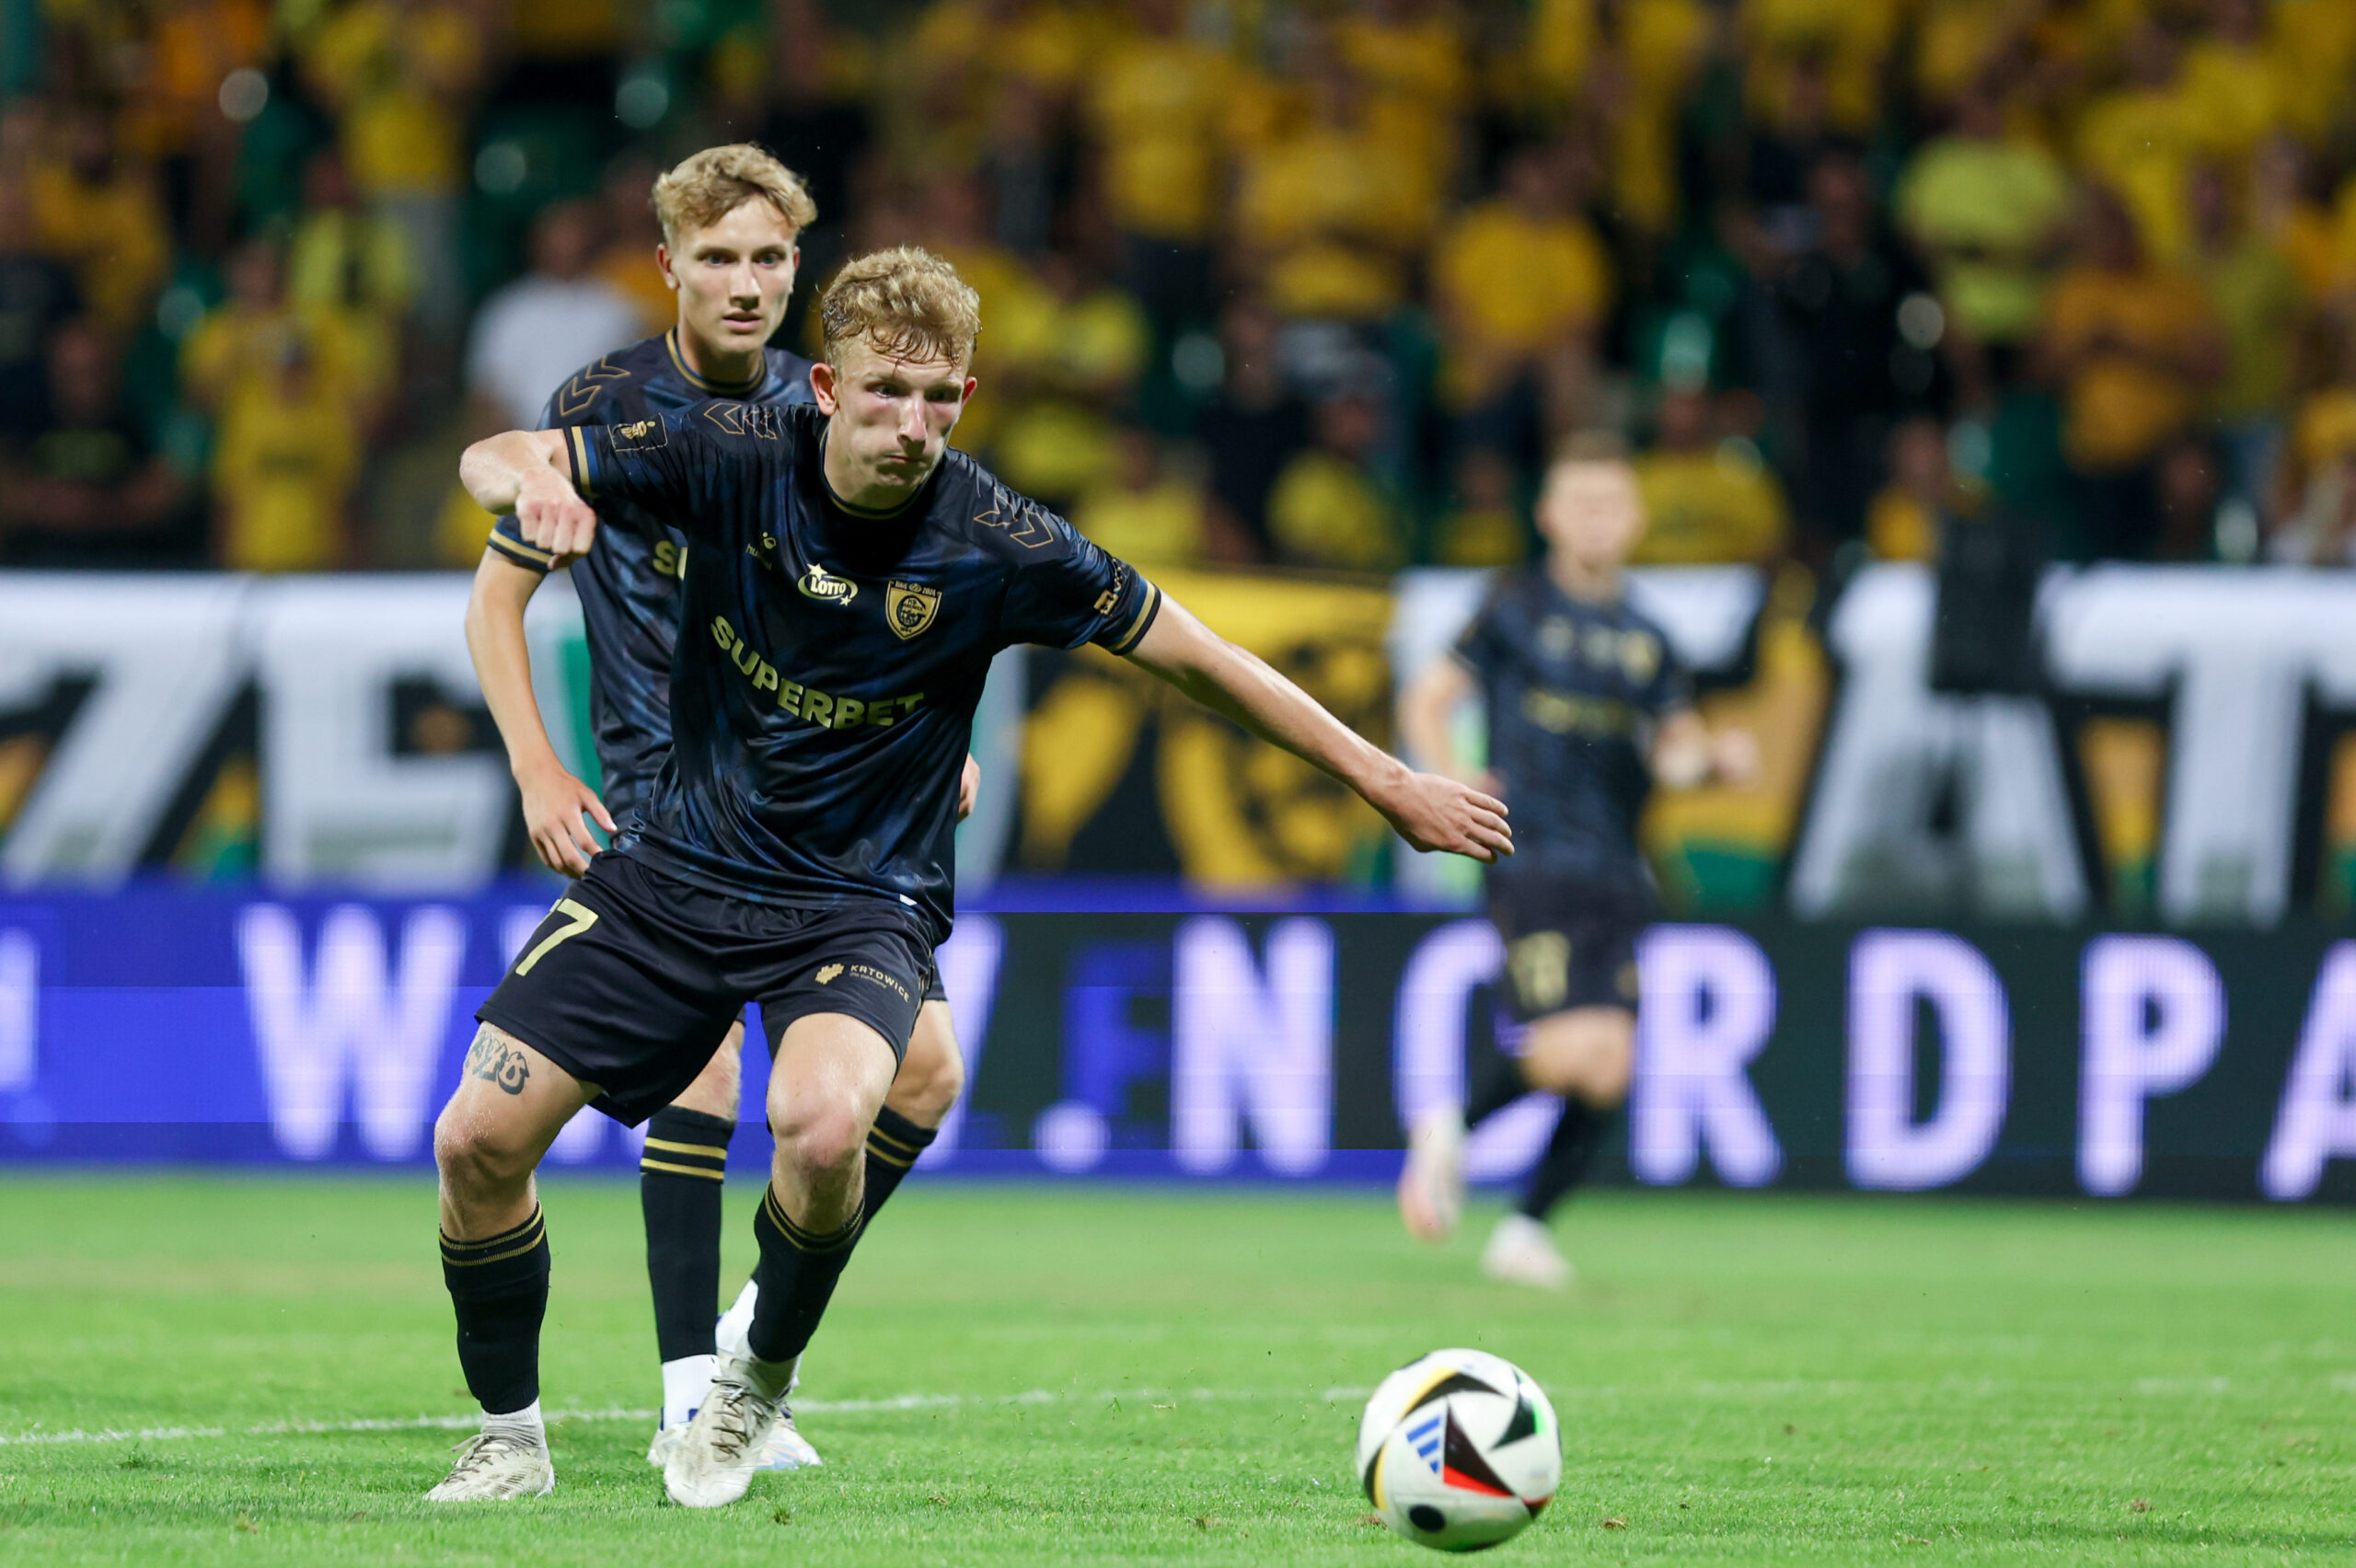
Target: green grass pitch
<point x="1017" y="1375"/>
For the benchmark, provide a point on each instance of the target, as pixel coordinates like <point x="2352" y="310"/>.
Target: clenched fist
<point x="553" y="516"/>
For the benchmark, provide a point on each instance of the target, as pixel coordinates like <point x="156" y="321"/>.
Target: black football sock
<point x="894" y="1144"/>
<point x="500" y="1286"/>
<point x="1496" y="1083"/>
<point x="678" y="1186"/>
<point x="797" y="1274"/>
<point x="1568" y="1154"/>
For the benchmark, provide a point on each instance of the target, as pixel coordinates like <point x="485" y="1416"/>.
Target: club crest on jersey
<point x="825" y="587"/>
<point x="909" y="607"/>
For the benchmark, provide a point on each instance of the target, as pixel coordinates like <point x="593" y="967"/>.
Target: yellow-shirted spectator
<point x="1709" y="500"/>
<point x="2135" y="346"/>
<point x="2142" y="140"/>
<point x="1851" y="39"/>
<point x="352" y="268"/>
<point x="2255" y="292"/>
<point x="2232" y="86"/>
<point x="2133" y="341"/>
<point x="1518" y="280"/>
<point x="398" y="75"/>
<point x="1409" y="57"/>
<point x="1148" y="517"/>
<point x="1071" y="351"/>
<point x="283" y="466"/>
<point x="1956" y="40"/>
<point x="1662" y="44"/>
<point x="257" y="325"/>
<point x="2313" y="45"/>
<point x="1160" y="105"/>
<point x="1327" y="510"/>
<point x="962" y="48"/>
<point x="1330" y="209"/>
<point x="1986" y="209"/>
<point x="98" y="214"/>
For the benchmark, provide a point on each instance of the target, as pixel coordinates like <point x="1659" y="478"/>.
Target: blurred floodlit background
<point x="1991" y="366"/>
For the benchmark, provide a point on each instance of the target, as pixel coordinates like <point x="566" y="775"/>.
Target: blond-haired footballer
<point x="730" y="219"/>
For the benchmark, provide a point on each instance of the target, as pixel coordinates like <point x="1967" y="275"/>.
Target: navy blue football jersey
<point x="1574" y="692"/>
<point x="629" y="583"/>
<point x="823" y="693"/>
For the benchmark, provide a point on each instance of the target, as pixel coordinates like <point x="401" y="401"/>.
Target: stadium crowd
<point x="1313" y="284"/>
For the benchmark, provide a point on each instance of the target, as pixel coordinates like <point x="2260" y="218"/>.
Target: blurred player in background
<point x="1587" y="707"/>
<point x="851" y="580"/>
<point x="731" y="218"/>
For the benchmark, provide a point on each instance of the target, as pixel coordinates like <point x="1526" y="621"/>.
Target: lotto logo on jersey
<point x="909" y="607"/>
<point x="827" y="589"/>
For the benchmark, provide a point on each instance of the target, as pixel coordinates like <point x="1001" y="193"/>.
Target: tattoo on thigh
<point x="494" y="1061"/>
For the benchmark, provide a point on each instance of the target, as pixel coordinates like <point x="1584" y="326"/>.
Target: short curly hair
<point x="713" y="183"/>
<point x="907" y="301"/>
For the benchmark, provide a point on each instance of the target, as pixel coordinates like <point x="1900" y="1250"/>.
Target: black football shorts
<point x="1568" y="944"/>
<point x="631" y="981"/>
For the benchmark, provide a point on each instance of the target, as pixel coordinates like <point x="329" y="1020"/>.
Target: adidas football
<point x="1459" y="1450"/>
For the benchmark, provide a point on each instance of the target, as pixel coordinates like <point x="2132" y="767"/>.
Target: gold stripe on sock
<point x="681" y="1169"/>
<point x="716" y="1151"/>
<point x="886" y="1156"/>
<point x="903" y="1145"/>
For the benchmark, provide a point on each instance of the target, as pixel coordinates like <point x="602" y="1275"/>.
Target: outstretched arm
<point x="553" y="798"/>
<point x="529" y="473"/>
<point x="1430" y="812"/>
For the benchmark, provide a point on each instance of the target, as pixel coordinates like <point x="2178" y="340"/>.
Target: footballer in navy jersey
<point x="849" y="579"/>
<point x="730" y="217"/>
<point x="1586" y="706"/>
<point x="839" y="655"/>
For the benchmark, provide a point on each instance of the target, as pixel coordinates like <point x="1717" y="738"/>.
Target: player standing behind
<point x="1587" y="707"/>
<point x="851" y="580"/>
<point x="731" y="217"/>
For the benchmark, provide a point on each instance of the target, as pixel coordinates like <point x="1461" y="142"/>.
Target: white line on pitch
<point x="896" y="1403"/>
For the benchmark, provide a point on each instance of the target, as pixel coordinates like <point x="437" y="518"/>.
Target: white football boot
<point x="1431" y="1181"/>
<point x="786" y="1449"/>
<point x="720" y="1451"/>
<point x="1521" y="1251"/>
<point x="496" y="1463"/>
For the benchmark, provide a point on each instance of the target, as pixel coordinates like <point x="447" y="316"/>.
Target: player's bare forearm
<point x="529" y="472"/>
<point x="553" y="799"/>
<point x="502" y="658"/>
<point x="1431" y="812"/>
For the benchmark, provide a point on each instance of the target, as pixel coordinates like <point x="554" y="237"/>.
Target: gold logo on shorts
<point x="826" y="975"/>
<point x="909" y="607"/>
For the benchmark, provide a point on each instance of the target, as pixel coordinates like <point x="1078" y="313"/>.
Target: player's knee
<point x="475" y="1153"/>
<point x="824" y="1136"/>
